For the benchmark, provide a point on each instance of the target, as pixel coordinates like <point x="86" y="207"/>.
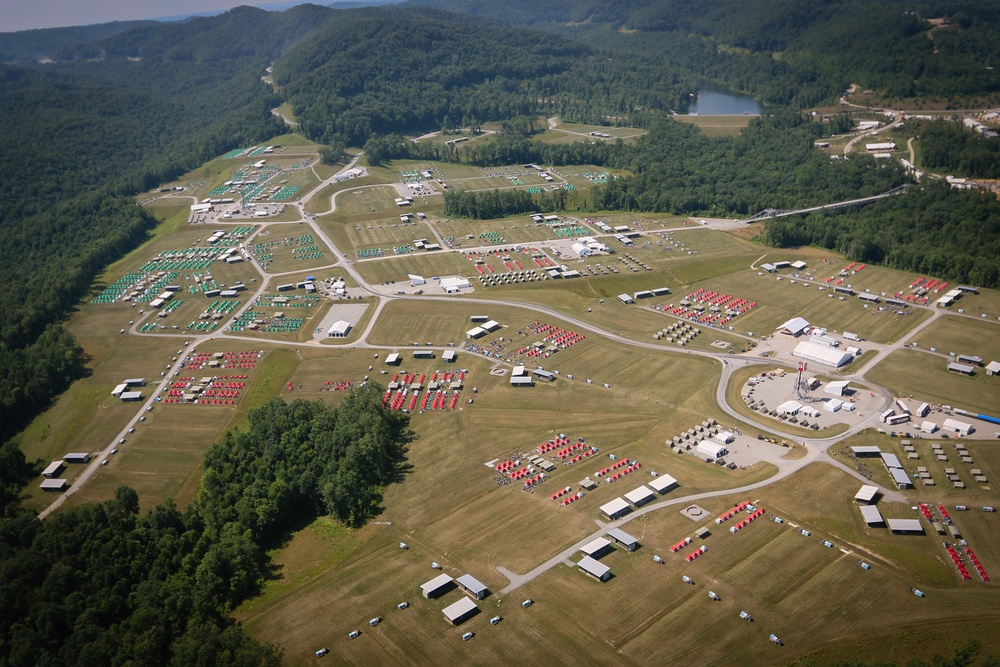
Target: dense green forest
<point x="949" y="147"/>
<point x="935" y="230"/>
<point x="411" y="70"/>
<point x="785" y="52"/>
<point x="106" y="585"/>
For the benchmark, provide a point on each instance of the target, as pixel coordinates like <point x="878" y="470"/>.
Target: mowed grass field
<point x="450" y="509"/>
<point x="427" y="264"/>
<point x="716" y="126"/>
<point x="963" y="335"/>
<point x="926" y="378"/>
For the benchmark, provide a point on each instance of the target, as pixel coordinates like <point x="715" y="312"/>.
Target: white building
<point x="340" y="329"/>
<point x="711" y="450"/>
<point x="821" y="354"/>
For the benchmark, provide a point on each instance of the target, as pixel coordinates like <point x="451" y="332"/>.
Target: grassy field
<point x="963" y="335"/>
<point x="716" y="126"/>
<point x="397" y="268"/>
<point x="926" y="378"/>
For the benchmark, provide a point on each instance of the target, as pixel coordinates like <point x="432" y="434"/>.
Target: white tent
<point x="821" y="354"/>
<point x="416" y="280"/>
<point x="838" y="388"/>
<point x="794" y="326"/>
<point x="711" y="450"/>
<point x="833" y="405"/>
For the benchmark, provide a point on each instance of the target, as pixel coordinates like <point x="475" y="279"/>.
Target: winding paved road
<point x="816" y="448"/>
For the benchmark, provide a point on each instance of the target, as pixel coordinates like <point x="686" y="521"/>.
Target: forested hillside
<point x="412" y="70"/>
<point x="80" y="137"/>
<point x="786" y="52"/>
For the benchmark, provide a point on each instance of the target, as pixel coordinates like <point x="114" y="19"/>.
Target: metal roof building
<point x="961" y="368"/>
<point x="867" y="450"/>
<point x="821" y="354"/>
<point x="53" y="484"/>
<point x="871" y="515"/>
<point x="52" y="469"/>
<point x="905" y="526"/>
<point x="866" y="494"/>
<point x="794" y="326"/>
<point x="436" y="586"/>
<point x="472" y="586"/>
<point x="448" y="356"/>
<point x="596" y="548"/>
<point x="619" y="536"/>
<point x="392" y="359"/>
<point x="461" y="610"/>
<point x="663" y="483"/>
<point x="615" y="509"/>
<point x="640" y="496"/>
<point x="594" y="568"/>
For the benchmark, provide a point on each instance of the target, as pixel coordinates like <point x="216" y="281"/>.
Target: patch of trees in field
<point x="102" y="584"/>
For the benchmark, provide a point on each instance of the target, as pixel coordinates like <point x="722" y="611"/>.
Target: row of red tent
<point x="726" y="516"/>
<point x="447" y="376"/>
<point x="696" y="553"/>
<point x="544" y="262"/>
<point x="537" y="479"/>
<point x="976" y="564"/>
<point x="571" y="499"/>
<point x="197" y="366"/>
<point x="343" y="385"/>
<point x="409" y="378"/>
<point x="203" y="401"/>
<point x="753" y="516"/>
<point x="560" y="493"/>
<point x="927" y="513"/>
<point x="928" y="284"/>
<point x="242" y="354"/>
<point x="575" y="447"/>
<point x="680" y="545"/>
<point x="518" y="474"/>
<point x="579" y="457"/>
<point x="506" y="465"/>
<point x="627" y="471"/>
<point x="436" y="400"/>
<point x="615" y="466"/>
<point x="958" y="563"/>
<point x="546" y="447"/>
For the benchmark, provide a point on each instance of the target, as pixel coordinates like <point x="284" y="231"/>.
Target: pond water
<point x="719" y="102"/>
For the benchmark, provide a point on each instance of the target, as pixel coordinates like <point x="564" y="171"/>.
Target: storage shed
<point x="53" y="484"/>
<point x="640" y="496"/>
<point x="472" y="586"/>
<point x="594" y="568"/>
<point x="460" y="611"/>
<point x="615" y="509"/>
<point x="437" y="586"/>
<point x="596" y="548"/>
<point x="620" y="537"/>
<point x="663" y="483"/>
<point x="906" y="526"/>
<point x="867" y="494"/>
<point x="871" y="515"/>
<point x="52" y="469"/>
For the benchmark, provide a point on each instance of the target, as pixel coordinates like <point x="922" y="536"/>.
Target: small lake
<point x="718" y="102"/>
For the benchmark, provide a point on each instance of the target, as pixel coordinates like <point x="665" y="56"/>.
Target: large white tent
<point x="821" y="354"/>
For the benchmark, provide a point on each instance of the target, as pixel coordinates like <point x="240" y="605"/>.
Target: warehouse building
<point x="640" y="496"/>
<point x="867" y="494"/>
<point x="596" y="548"/>
<point x="340" y="329"/>
<point x="827" y="356"/>
<point x="663" y="483"/>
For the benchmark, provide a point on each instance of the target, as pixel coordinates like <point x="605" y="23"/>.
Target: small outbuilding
<point x="615" y="509"/>
<point x="596" y="548"/>
<point x="620" y="537"/>
<point x="53" y="485"/>
<point x="640" y="496"/>
<point x="472" y="586"/>
<point x="867" y="494"/>
<point x="906" y="526"/>
<point x="663" y="483"/>
<point x="594" y="568"/>
<point x="437" y="586"/>
<point x="460" y="611"/>
<point x="871" y="515"/>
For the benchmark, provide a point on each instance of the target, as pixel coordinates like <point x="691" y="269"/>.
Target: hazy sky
<point x="26" y="14"/>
